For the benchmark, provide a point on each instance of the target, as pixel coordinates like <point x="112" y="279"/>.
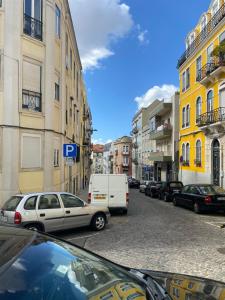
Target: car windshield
<point x="176" y="184"/>
<point x="12" y="203"/>
<point x="53" y="270"/>
<point x="211" y="189"/>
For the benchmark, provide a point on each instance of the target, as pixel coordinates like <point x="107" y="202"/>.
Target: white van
<point x="109" y="190"/>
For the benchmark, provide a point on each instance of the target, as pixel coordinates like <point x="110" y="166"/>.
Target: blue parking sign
<point x="69" y="150"/>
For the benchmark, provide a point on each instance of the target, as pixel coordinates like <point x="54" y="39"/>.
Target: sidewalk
<point x="83" y="194"/>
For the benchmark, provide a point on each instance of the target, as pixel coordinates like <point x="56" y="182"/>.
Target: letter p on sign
<point x="69" y="150"/>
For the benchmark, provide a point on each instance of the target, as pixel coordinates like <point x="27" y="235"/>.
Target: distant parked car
<point x="168" y="189"/>
<point x="51" y="212"/>
<point x="143" y="185"/>
<point x="201" y="197"/>
<point x="134" y="183"/>
<point x="152" y="189"/>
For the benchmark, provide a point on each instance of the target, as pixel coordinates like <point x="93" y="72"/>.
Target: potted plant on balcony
<point x="198" y="163"/>
<point x="219" y="53"/>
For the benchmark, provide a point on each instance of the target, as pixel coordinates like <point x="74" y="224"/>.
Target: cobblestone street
<point x="156" y="235"/>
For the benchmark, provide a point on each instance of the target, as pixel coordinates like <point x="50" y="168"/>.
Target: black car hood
<point x="188" y="287"/>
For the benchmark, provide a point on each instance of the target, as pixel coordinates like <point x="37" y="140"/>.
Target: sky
<point x="129" y="51"/>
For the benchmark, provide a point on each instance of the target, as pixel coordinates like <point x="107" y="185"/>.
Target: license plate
<point x="100" y="197"/>
<point x="221" y="198"/>
<point x="3" y="219"/>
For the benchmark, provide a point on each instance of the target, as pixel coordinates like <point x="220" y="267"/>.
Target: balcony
<point x="211" y="71"/>
<point x="135" y="161"/>
<point x="125" y="165"/>
<point x="31" y="101"/>
<point x="160" y="110"/>
<point x="135" y="130"/>
<point x="160" y="156"/>
<point x="162" y="132"/>
<point x="126" y="153"/>
<point x="213" y="123"/>
<point x="32" y="27"/>
<point x="135" y="145"/>
<point x="203" y="35"/>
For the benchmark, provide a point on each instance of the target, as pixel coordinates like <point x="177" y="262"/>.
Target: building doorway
<point x="216" y="162"/>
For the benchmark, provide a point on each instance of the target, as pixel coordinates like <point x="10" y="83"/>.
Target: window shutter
<point x="31" y="77"/>
<point x="31" y="152"/>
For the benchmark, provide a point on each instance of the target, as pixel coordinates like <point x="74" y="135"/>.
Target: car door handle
<point x="112" y="196"/>
<point x="42" y="215"/>
<point x="67" y="211"/>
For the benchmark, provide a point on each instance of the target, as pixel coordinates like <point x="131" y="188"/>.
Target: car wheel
<point x="98" y="222"/>
<point x="34" y="227"/>
<point x="151" y="195"/>
<point x="124" y="211"/>
<point x="197" y="209"/>
<point x="165" y="198"/>
<point x="175" y="201"/>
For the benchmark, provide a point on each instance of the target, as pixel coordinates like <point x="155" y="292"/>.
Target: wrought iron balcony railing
<point x="207" y="69"/>
<point x="202" y="36"/>
<point x="211" y="117"/>
<point x="31" y="101"/>
<point x="32" y="27"/>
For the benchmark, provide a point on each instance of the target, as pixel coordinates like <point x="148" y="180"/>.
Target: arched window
<point x="183" y="117"/>
<point x="203" y="22"/>
<point x="215" y="7"/>
<point x="198" y="109"/>
<point x="210" y="101"/>
<point x="183" y="152"/>
<point x="188" y="153"/>
<point x="188" y="115"/>
<point x="198" y="152"/>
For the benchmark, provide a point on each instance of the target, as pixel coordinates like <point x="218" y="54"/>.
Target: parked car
<point x="110" y="190"/>
<point x="52" y="211"/>
<point x="168" y="188"/>
<point x="152" y="189"/>
<point x="201" y="197"/>
<point x="37" y="266"/>
<point x="143" y="185"/>
<point x="134" y="183"/>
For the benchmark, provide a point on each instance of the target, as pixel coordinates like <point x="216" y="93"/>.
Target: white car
<point x="143" y="185"/>
<point x="52" y="211"/>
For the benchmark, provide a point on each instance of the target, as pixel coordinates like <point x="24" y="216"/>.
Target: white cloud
<point x="142" y="35"/>
<point x="98" y="23"/>
<point x="166" y="91"/>
<point x="100" y="141"/>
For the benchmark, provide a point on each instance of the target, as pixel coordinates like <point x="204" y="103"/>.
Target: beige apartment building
<point x="42" y="99"/>
<point x="122" y="156"/>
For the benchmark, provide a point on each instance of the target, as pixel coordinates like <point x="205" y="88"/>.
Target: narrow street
<point x="159" y="236"/>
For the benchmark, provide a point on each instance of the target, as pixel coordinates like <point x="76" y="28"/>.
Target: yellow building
<point x="42" y="98"/>
<point x="202" y="100"/>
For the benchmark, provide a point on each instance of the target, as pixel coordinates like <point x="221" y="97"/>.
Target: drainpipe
<point x="222" y="169"/>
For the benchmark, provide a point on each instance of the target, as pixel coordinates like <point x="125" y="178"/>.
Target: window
<point x="57" y="22"/>
<point x="193" y="190"/>
<point x="183" y="117"/>
<point x="49" y="201"/>
<point x="71" y="59"/>
<point x="209" y="52"/>
<point x="203" y="23"/>
<point x="198" y="152"/>
<point x="56" y="157"/>
<point x="187" y="78"/>
<point x="31" y="203"/>
<point x="30" y="151"/>
<point x="70" y="201"/>
<point x="188" y="115"/>
<point x="183" y="81"/>
<point x="210" y="101"/>
<point x="183" y="152"/>
<point x="57" y="88"/>
<point x="198" y="109"/>
<point x="31" y="86"/>
<point x="125" y="160"/>
<point x="222" y="37"/>
<point x="215" y="7"/>
<point x="33" y="18"/>
<point x="188" y="153"/>
<point x="67" y="50"/>
<point x="198" y="67"/>
<point x="0" y="3"/>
